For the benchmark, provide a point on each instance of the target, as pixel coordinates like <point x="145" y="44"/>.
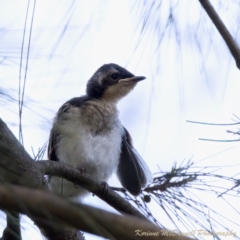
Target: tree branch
<point x="22" y="170"/>
<point x="226" y="35"/>
<point x="51" y="209"/>
<point x="55" y="232"/>
<point x="17" y="167"/>
<point x="84" y="180"/>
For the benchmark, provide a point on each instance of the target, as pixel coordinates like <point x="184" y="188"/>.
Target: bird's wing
<point x="132" y="172"/>
<point x="54" y="135"/>
<point x="52" y="155"/>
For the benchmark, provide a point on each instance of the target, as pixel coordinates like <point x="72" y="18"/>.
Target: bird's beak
<point x="133" y="79"/>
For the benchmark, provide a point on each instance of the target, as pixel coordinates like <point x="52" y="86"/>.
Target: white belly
<point x="99" y="155"/>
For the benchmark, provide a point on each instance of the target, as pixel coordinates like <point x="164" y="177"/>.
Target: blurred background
<point x="49" y="50"/>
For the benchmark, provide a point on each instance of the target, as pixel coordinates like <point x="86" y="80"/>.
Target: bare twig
<point x="218" y="124"/>
<point x="175" y="193"/>
<point x="234" y="133"/>
<point x="215" y="124"/>
<point x="226" y="35"/>
<point x="165" y="186"/>
<point x="21" y="98"/>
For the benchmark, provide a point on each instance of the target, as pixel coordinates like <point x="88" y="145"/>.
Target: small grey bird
<point x="88" y="133"/>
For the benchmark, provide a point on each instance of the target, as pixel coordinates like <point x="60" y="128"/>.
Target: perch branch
<point x="84" y="180"/>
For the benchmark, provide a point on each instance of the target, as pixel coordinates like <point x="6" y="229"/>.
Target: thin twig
<point x="214" y="124"/>
<point x="219" y="140"/>
<point x="20" y="104"/>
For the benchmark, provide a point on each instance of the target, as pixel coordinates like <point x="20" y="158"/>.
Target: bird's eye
<point x="114" y="76"/>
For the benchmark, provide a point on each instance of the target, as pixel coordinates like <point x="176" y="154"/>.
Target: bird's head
<point x="111" y="82"/>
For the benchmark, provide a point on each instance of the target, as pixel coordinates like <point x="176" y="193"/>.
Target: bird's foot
<point x="82" y="170"/>
<point x="105" y="187"/>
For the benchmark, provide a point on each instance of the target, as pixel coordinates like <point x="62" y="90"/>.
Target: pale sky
<point x="195" y="80"/>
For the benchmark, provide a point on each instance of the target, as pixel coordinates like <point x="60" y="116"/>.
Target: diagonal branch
<point x="226" y="35"/>
<point x="49" y="208"/>
<point x="84" y="180"/>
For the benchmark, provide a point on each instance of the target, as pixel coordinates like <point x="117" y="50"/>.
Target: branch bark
<point x="226" y="35"/>
<point x="84" y="180"/>
<point x="51" y="209"/>
<point x="16" y="166"/>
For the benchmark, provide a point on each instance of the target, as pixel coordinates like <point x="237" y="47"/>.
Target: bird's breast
<point x="91" y="138"/>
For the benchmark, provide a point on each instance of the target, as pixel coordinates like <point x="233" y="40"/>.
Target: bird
<point x="88" y="133"/>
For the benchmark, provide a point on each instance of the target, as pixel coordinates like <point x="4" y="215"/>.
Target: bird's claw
<point x="105" y="187"/>
<point x="82" y="170"/>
